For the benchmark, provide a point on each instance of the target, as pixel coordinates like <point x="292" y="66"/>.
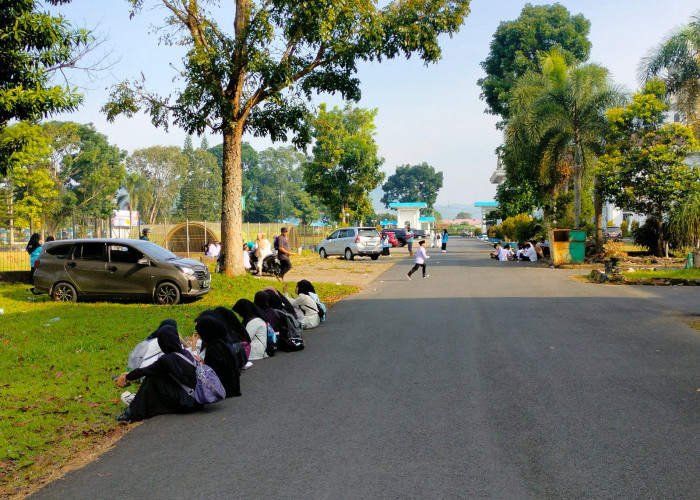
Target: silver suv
<point x="351" y="241"/>
<point x="126" y="269"/>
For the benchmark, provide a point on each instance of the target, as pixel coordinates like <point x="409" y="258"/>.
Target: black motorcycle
<point x="271" y="265"/>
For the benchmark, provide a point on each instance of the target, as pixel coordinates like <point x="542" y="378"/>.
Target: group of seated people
<point x="165" y="363"/>
<point x="529" y="251"/>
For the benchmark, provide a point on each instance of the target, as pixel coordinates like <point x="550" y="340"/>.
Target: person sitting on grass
<point x="217" y="352"/>
<point x="255" y="322"/>
<point x="305" y="303"/>
<point x="160" y="392"/>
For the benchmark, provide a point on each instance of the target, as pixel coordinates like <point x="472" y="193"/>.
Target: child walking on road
<point x="421" y="257"/>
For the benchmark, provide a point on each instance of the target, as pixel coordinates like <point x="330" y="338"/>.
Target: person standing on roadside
<point x="409" y="240"/>
<point x="144" y="234"/>
<point x="444" y="240"/>
<point x="284" y="253"/>
<point x="421" y="257"/>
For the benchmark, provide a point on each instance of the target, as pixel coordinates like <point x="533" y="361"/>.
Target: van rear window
<point x="368" y="232"/>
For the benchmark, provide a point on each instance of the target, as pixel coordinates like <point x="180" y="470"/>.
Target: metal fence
<point x="184" y="238"/>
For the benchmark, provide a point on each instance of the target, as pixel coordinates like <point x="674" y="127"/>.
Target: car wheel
<point x="375" y="256"/>
<point x="348" y="254"/>
<point x="322" y="253"/>
<point x="167" y="293"/>
<point x="64" y="292"/>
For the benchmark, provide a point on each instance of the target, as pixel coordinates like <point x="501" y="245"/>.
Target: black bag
<point x="238" y="352"/>
<point x="290" y="338"/>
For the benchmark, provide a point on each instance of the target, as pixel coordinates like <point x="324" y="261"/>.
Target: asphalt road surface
<point x="486" y="380"/>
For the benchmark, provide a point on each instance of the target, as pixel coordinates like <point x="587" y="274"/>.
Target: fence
<point x="184" y="238"/>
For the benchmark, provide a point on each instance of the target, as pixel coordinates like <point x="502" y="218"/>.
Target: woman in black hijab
<point x="255" y="322"/>
<point x="279" y="301"/>
<point x="262" y="300"/>
<point x="218" y="353"/>
<point x="161" y="391"/>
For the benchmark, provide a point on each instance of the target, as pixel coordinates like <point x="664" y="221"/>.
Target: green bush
<point x="624" y="227"/>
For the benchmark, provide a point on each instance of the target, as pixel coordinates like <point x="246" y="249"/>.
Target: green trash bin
<point x="577" y="245"/>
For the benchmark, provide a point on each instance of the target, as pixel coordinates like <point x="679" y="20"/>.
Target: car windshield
<point x="158" y="252"/>
<point x="613" y="230"/>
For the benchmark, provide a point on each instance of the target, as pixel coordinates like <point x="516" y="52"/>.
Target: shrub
<point x="520" y="227"/>
<point x="624" y="227"/>
<point x="613" y="248"/>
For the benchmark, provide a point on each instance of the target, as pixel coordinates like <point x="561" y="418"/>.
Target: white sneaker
<point x="426" y="276"/>
<point x="127" y="397"/>
<point x="248" y="365"/>
<point x="409" y="278"/>
<point x="444" y="251"/>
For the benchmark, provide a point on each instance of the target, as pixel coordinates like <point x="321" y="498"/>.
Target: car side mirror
<point x="143" y="261"/>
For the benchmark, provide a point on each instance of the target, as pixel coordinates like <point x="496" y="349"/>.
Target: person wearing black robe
<point x="262" y="300"/>
<point x="218" y="353"/>
<point x="160" y="391"/>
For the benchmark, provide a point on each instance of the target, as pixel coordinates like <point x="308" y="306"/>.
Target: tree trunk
<point x="598" y="207"/>
<point x="577" y="170"/>
<point x="231" y="209"/>
<point x="660" y="240"/>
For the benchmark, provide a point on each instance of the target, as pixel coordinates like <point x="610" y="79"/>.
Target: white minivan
<point x="351" y="241"/>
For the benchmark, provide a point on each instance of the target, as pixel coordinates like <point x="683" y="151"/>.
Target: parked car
<point x="125" y="269"/>
<point x="399" y="234"/>
<point x="392" y="239"/>
<point x="612" y="233"/>
<point x="419" y="234"/>
<point x="352" y="241"/>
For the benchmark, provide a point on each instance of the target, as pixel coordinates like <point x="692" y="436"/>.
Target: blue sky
<point x="425" y="113"/>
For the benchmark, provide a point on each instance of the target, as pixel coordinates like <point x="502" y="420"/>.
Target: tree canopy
<point x="345" y="165"/>
<point x="33" y="46"/>
<point x="412" y="183"/>
<point x="644" y="168"/>
<point x="677" y="61"/>
<point x="518" y="45"/>
<point x="260" y="78"/>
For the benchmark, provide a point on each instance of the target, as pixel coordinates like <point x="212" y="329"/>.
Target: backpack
<point x="320" y="306"/>
<point x="208" y="388"/>
<point x="238" y="351"/>
<point x="275" y="244"/>
<point x="271" y="345"/>
<point x="144" y="354"/>
<point x="290" y="338"/>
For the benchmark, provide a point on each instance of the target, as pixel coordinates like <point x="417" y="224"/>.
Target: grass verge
<point x="688" y="274"/>
<point x="58" y="400"/>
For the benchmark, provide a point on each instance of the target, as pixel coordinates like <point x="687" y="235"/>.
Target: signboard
<point x="125" y="218"/>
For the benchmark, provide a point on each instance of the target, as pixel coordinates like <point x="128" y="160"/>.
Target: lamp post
<point x="347" y="217"/>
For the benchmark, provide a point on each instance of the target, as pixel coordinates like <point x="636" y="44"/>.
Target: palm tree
<point x="676" y="60"/>
<point x="561" y="110"/>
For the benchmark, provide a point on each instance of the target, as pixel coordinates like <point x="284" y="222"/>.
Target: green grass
<point x="57" y="362"/>
<point x="688" y="274"/>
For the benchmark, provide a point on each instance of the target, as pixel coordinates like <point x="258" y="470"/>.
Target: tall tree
<point x="165" y="167"/>
<point x="412" y="183"/>
<point x="260" y="78"/>
<point x="28" y="188"/>
<point x="644" y="168"/>
<point x="200" y="195"/>
<point x="90" y="174"/>
<point x="677" y="61"/>
<point x="518" y="45"/>
<point x="345" y="165"/>
<point x="561" y="110"/>
<point x="33" y="46"/>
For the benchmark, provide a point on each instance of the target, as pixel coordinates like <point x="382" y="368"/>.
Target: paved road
<point x="487" y="380"/>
